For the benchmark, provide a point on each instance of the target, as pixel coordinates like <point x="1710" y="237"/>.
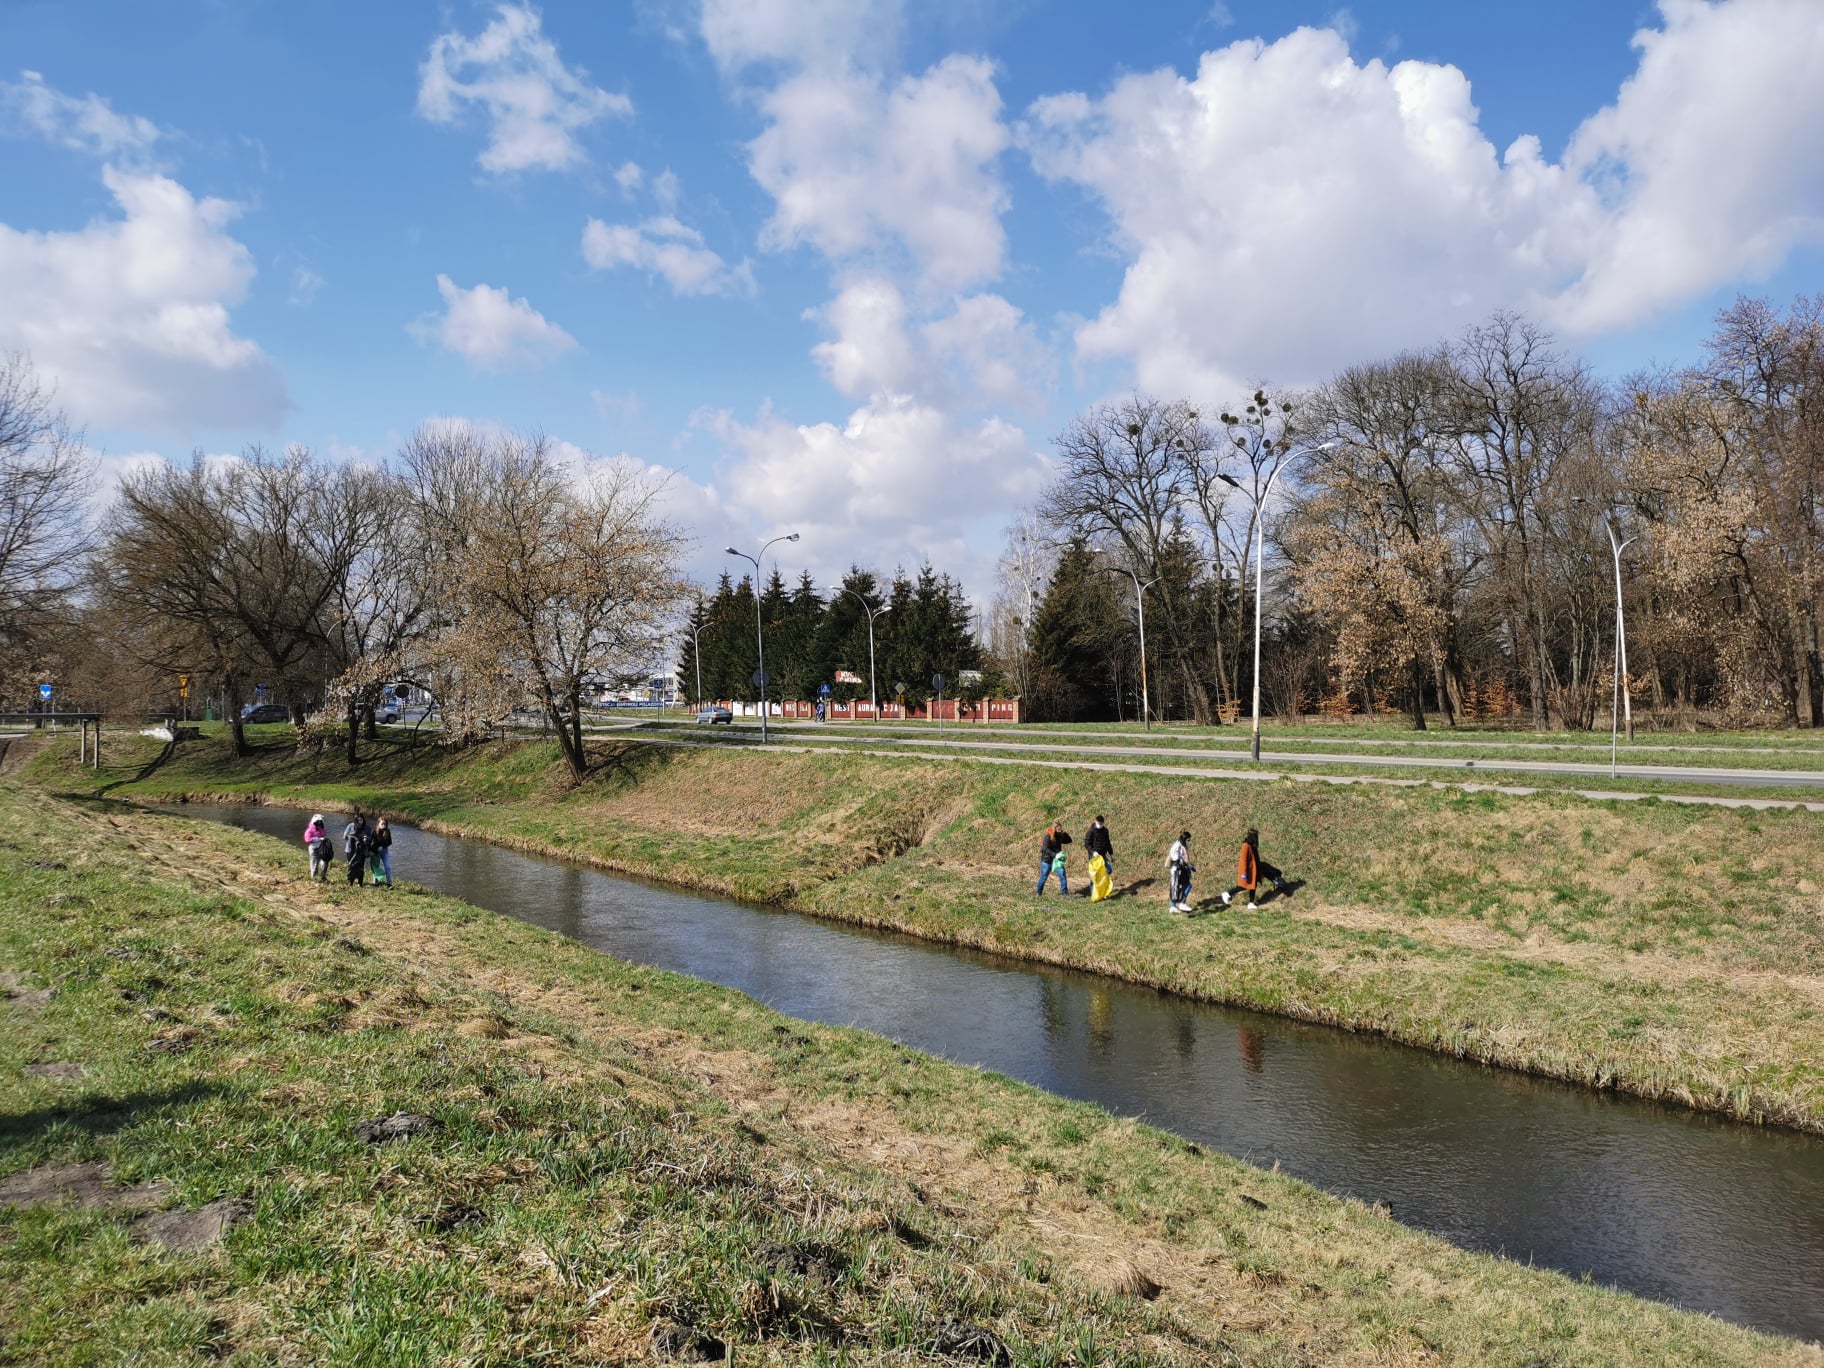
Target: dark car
<point x="265" y="712"/>
<point x="716" y="714"/>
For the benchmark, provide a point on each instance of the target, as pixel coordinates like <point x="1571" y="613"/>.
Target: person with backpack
<point x="1179" y="869"/>
<point x="355" y="841"/>
<point x="380" y="852"/>
<point x="1249" y="871"/>
<point x="1051" y="859"/>
<point x="316" y="841"/>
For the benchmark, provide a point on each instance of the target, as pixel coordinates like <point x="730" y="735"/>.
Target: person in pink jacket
<point x="316" y="841"/>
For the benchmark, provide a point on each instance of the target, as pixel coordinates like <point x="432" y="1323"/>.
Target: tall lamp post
<point x="873" y="694"/>
<point x="759" y="633"/>
<point x="1260" y="527"/>
<point x="1146" y="710"/>
<point x="696" y="655"/>
<point x="1619" y="704"/>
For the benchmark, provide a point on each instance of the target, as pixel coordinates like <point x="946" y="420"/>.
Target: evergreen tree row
<point x="921" y="629"/>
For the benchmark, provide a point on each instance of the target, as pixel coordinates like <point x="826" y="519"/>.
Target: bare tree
<point x="562" y="579"/>
<point x="237" y="567"/>
<point x="1521" y="409"/>
<point x="45" y="479"/>
<point x="1126" y="482"/>
<point x="1379" y="534"/>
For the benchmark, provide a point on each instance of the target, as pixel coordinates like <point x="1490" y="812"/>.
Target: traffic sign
<point x="761" y="679"/>
<point x="823" y="690"/>
<point x="937" y="682"/>
<point x="44" y="692"/>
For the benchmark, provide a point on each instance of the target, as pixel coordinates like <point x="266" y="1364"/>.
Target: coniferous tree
<point x="1079" y="631"/>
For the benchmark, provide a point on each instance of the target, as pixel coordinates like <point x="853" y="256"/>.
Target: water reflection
<point x="1715" y="1216"/>
<point x="1253" y="1050"/>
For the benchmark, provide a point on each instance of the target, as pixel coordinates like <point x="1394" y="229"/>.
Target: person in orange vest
<point x="1249" y="871"/>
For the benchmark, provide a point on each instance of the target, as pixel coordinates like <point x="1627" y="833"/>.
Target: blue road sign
<point x="44" y="692"/>
<point x="824" y="690"/>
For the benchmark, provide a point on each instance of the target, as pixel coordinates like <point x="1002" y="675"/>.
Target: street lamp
<point x="759" y="634"/>
<point x="1146" y="710"/>
<point x="696" y="654"/>
<point x="873" y="696"/>
<point x="1260" y="526"/>
<point x="1619" y="702"/>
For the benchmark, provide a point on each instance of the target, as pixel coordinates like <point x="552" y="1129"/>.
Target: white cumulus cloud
<point x="857" y="165"/>
<point x="809" y="33"/>
<point x="981" y="353"/>
<point x="896" y="483"/>
<point x="490" y="329"/>
<point x="1285" y="211"/>
<point x="669" y="249"/>
<point x="129" y="316"/>
<point x="86" y="124"/>
<point x="1710" y="156"/>
<point x="535" y="105"/>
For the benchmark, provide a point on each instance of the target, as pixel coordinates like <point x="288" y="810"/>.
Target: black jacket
<point x="1096" y="842"/>
<point x="1052" y="842"/>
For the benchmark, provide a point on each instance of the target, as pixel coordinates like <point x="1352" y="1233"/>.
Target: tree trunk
<point x="351" y="746"/>
<point x="237" y="732"/>
<point x="569" y="735"/>
<point x="1418" y="694"/>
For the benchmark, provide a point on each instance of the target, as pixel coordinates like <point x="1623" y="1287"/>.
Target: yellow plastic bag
<point x="1100" y="885"/>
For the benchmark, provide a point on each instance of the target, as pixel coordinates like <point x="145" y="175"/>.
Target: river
<point x="1710" y="1214"/>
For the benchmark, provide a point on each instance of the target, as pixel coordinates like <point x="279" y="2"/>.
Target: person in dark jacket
<point x="380" y="852"/>
<point x="1051" y="858"/>
<point x="355" y="840"/>
<point x="1096" y="842"/>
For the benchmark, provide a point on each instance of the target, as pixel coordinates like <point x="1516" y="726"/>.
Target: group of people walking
<point x="1250" y="869"/>
<point x="363" y="848"/>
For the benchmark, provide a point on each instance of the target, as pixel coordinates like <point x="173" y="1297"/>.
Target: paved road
<point x="1084" y="750"/>
<point x="1258" y="775"/>
<point x="1237" y="734"/>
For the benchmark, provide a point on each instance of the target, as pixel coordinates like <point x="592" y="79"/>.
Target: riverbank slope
<point x="1671" y="952"/>
<point x="604" y="1154"/>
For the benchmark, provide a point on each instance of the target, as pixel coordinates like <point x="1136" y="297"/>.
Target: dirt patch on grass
<point x="84" y="1185"/>
<point x="191" y="1232"/>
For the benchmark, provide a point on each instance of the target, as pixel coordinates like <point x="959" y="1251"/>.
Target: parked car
<point x="265" y="712"/>
<point x="712" y="715"/>
<point x="410" y="713"/>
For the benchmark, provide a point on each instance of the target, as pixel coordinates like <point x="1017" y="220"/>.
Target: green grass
<point x="1427" y="915"/>
<point x="619" y="1147"/>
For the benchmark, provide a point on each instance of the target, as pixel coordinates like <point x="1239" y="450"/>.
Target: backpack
<point x="358" y="844"/>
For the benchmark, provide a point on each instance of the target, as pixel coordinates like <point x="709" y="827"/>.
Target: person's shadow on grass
<point x="1209" y="906"/>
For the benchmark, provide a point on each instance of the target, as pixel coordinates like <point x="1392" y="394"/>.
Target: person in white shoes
<point x="1249" y="871"/>
<point x="1178" y="865"/>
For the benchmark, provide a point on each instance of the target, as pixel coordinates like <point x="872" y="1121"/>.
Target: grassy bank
<point x="1671" y="952"/>
<point x="612" y="1153"/>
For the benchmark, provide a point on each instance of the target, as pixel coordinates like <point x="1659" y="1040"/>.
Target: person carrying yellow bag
<point x="1101" y="860"/>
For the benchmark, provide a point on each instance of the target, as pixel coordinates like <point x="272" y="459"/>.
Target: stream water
<point x="1709" y="1214"/>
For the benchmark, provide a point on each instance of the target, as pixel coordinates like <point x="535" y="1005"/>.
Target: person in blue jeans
<point x="380" y="853"/>
<point x="1051" y="859"/>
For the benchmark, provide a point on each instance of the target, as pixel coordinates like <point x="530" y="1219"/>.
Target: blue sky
<point x="844" y="268"/>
